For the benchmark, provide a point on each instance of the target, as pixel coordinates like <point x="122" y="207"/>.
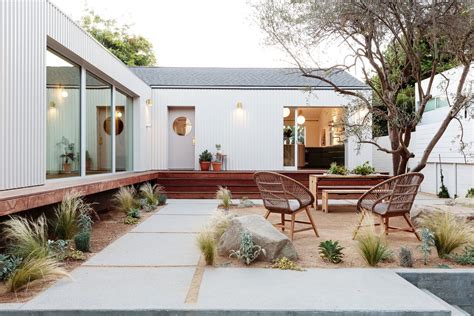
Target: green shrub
<point x="224" y="196"/>
<point x="372" y="246"/>
<point x="82" y="241"/>
<point x="162" y="199"/>
<point x="427" y="241"/>
<point x="8" y="264"/>
<point x="443" y="190"/>
<point x="470" y="193"/>
<point x="449" y="232"/>
<point x="331" y="251"/>
<point x="135" y="213"/>
<point x="207" y="246"/>
<point x="364" y="169"/>
<point x="285" y="264"/>
<point x="58" y="248"/>
<point x="124" y="199"/>
<point x="130" y="220"/>
<point x="76" y="255"/>
<point x="406" y="257"/>
<point x="205" y="156"/>
<point x="26" y="238"/>
<point x="248" y="251"/>
<point x="337" y="169"/>
<point x="65" y="222"/>
<point x="31" y="269"/>
<point x="464" y="258"/>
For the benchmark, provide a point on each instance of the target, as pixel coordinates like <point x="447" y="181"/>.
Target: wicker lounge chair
<point x="392" y="198"/>
<point x="285" y="196"/>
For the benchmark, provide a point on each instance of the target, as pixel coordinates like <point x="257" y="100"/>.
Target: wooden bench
<point x="339" y="194"/>
<point x="320" y="182"/>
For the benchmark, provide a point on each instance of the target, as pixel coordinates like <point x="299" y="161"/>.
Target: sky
<point x="191" y="33"/>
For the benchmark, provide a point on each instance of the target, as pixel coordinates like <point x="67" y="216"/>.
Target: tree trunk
<point x="394" y="143"/>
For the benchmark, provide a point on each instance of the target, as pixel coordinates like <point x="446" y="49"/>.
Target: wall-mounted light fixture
<point x="52" y="105"/>
<point x="119" y="114"/>
<point x="239" y="106"/>
<point x="64" y="94"/>
<point x="149" y="102"/>
<point x="286" y="112"/>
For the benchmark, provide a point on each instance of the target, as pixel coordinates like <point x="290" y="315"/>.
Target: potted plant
<point x="217" y="163"/>
<point x="205" y="159"/>
<point x="68" y="156"/>
<point x="218" y="148"/>
<point x="88" y="161"/>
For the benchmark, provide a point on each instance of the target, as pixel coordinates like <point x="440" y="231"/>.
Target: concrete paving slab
<point x="188" y="209"/>
<point x="10" y="306"/>
<point x="172" y="224"/>
<point x="143" y="249"/>
<point x="116" y="289"/>
<point x="315" y="289"/>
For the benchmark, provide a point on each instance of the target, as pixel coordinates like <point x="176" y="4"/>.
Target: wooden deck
<point x="178" y="185"/>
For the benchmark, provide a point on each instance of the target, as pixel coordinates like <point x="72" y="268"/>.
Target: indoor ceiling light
<point x="286" y="112"/>
<point x="119" y="114"/>
<point x="300" y="119"/>
<point x="64" y="94"/>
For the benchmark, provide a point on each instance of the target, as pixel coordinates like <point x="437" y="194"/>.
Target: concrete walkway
<point x="151" y="269"/>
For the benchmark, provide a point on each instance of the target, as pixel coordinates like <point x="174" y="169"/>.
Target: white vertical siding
<point x="252" y="138"/>
<point x="22" y="93"/>
<point x="26" y="28"/>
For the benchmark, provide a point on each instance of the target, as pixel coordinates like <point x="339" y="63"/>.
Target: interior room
<point x="319" y="135"/>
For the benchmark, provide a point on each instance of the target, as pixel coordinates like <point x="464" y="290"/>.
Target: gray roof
<point x="278" y="78"/>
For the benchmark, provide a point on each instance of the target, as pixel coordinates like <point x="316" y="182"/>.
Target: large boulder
<point x="458" y="210"/>
<point x="264" y="234"/>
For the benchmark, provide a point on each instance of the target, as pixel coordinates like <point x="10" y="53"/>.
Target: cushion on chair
<point x="380" y="208"/>
<point x="294" y="205"/>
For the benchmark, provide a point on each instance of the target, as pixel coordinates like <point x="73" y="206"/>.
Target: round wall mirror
<point x="108" y="125"/>
<point x="182" y="126"/>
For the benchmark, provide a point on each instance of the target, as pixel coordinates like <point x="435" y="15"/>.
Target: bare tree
<point x="387" y="40"/>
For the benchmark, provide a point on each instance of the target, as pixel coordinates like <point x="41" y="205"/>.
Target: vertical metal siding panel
<point x="22" y="93"/>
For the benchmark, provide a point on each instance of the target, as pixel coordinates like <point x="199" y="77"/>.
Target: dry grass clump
<point x="207" y="244"/>
<point x="26" y="238"/>
<point x="372" y="246"/>
<point x="32" y="269"/>
<point x="66" y="221"/>
<point x="124" y="199"/>
<point x="449" y="232"/>
<point x="219" y="223"/>
<point x="225" y="197"/>
<point x="147" y="191"/>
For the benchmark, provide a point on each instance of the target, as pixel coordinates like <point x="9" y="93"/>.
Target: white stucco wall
<point x="252" y="138"/>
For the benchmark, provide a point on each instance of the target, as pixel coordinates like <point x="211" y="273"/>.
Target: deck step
<point x="455" y="310"/>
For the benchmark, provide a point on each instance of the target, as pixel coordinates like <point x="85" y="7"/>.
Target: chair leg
<point x="405" y="216"/>
<point x="313" y="224"/>
<point x="358" y="225"/>
<point x="268" y="214"/>
<point x="292" y="232"/>
<point x="282" y="222"/>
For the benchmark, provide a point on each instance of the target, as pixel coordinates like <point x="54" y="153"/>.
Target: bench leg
<point x="324" y="202"/>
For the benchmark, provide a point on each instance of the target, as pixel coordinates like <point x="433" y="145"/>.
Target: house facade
<point x="69" y="109"/>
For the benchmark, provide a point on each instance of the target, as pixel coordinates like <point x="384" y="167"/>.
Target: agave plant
<point x="26" y="237"/>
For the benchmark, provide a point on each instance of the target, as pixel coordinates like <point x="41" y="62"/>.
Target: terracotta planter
<point x="217" y="166"/>
<point x="67" y="167"/>
<point x="205" y="165"/>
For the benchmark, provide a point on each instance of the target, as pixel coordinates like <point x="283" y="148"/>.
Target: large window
<point x="63" y="137"/>
<point x="99" y="125"/>
<point x="123" y="132"/>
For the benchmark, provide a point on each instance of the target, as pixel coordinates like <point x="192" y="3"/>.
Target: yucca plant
<point x="66" y="221"/>
<point x="26" y="238"/>
<point x="31" y="269"/>
<point x="225" y="196"/>
<point x="372" y="246"/>
<point x="449" y="232"/>
<point x="207" y="245"/>
<point x="124" y="199"/>
<point x="147" y="191"/>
